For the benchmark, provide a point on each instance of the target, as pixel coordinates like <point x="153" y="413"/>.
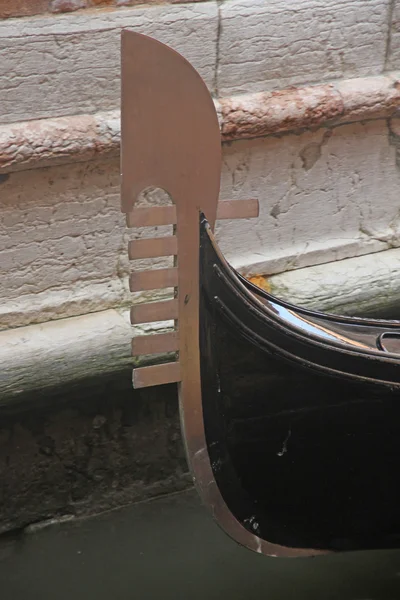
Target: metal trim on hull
<point x="263" y="295"/>
<point x="340" y="348"/>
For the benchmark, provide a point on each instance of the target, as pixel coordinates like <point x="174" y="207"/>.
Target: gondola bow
<point x="289" y="416"/>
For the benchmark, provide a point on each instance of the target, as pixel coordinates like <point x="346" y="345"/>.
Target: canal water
<point x="170" y="548"/>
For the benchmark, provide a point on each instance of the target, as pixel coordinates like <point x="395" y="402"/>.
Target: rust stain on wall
<point x="260" y="281"/>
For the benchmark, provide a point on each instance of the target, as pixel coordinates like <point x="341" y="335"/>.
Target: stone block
<point x="321" y="197"/>
<point x="272" y="45"/>
<point x="70" y="64"/>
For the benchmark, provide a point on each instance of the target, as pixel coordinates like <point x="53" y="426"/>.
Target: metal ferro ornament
<point x="289" y="416"/>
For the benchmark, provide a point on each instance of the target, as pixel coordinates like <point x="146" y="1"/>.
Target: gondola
<point x="290" y="417"/>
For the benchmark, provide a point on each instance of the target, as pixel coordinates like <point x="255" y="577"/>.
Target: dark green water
<point x="171" y="549"/>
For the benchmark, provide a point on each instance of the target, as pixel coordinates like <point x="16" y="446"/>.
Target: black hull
<point x="301" y="414"/>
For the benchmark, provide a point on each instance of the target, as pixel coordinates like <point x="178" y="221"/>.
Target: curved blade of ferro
<point x="170" y="131"/>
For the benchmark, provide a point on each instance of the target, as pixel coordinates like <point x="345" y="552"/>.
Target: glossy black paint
<point x="301" y="422"/>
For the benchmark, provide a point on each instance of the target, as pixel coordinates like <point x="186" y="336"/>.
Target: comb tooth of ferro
<point x="156" y="375"/>
<point x="149" y="312"/>
<point x="155" y="216"/>
<point x="156" y="343"/>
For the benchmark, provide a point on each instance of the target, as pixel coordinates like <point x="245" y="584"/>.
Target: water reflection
<point x="171" y="549"/>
